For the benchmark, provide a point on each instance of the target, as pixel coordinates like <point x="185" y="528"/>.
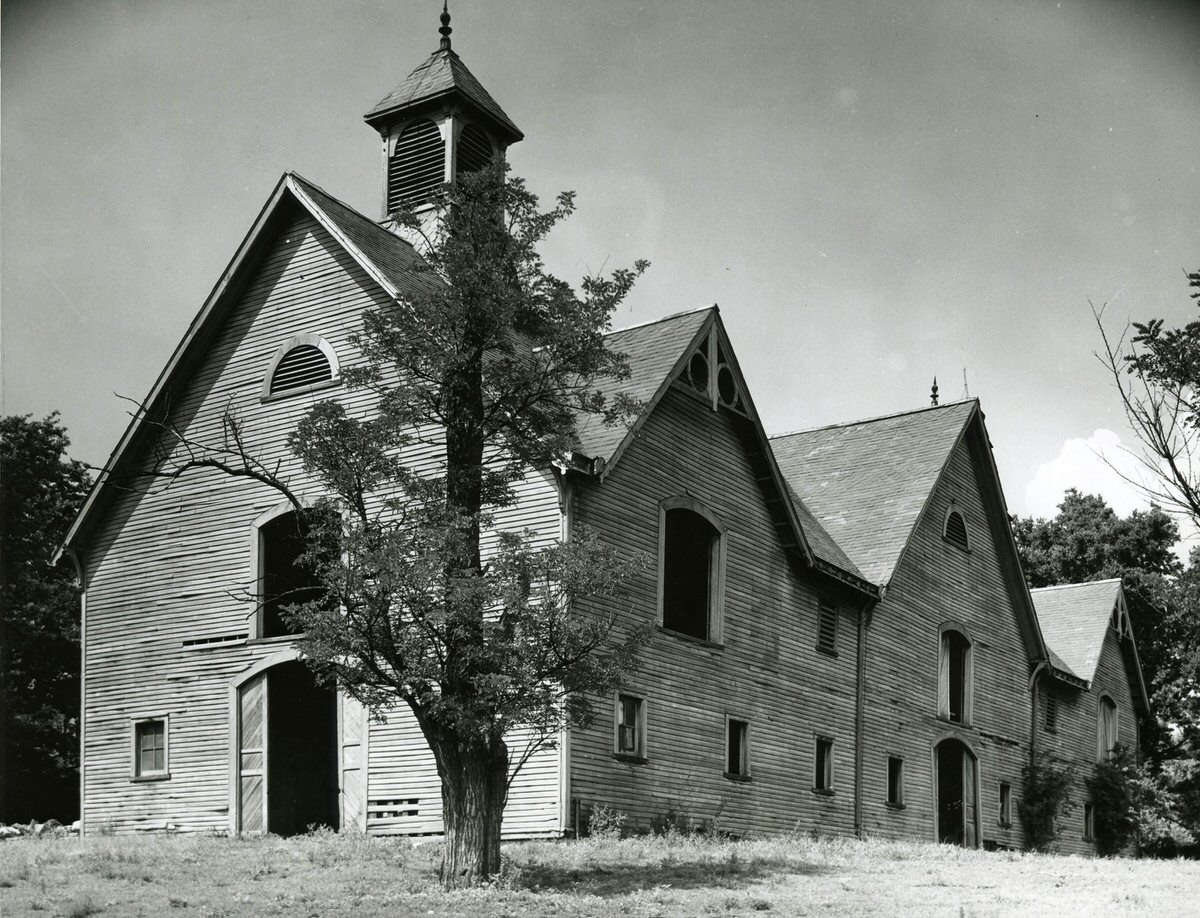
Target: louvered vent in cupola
<point x="956" y="530"/>
<point x="304" y="365"/>
<point x="417" y="165"/>
<point x="474" y="149"/>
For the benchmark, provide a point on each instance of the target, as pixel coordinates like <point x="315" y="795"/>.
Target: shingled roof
<point x="1074" y="619"/>
<point x="442" y="74"/>
<point x="867" y="481"/>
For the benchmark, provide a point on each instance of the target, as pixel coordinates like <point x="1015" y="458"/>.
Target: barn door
<point x="970" y="809"/>
<point x="351" y="767"/>
<point x="252" y="755"/>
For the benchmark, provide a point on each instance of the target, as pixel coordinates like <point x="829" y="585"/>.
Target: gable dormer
<point x="437" y="123"/>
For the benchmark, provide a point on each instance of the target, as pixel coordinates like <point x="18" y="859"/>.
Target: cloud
<point x="1084" y="465"/>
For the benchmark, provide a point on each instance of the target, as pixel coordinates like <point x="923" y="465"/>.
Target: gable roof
<point x="1074" y="619"/>
<point x="440" y="75"/>
<point x="868" y="481"/>
<point x="387" y="259"/>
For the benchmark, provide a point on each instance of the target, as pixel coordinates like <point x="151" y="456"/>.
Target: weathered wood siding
<point x="936" y="582"/>
<point x="167" y="567"/>
<point x="767" y="670"/>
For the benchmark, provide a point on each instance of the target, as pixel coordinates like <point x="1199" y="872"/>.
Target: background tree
<point x="40" y="493"/>
<point x="484" y="374"/>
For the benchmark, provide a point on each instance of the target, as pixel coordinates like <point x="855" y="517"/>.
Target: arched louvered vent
<point x="474" y="149"/>
<point x="303" y="365"/>
<point x="956" y="530"/>
<point x="417" y="165"/>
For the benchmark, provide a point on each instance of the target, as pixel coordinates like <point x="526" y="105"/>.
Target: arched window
<point x="690" y="570"/>
<point x="955" y="676"/>
<point x="283" y="577"/>
<point x="1106" y="729"/>
<point x="954" y="530"/>
<point x="300" y="364"/>
<point x="474" y="149"/>
<point x="417" y="165"/>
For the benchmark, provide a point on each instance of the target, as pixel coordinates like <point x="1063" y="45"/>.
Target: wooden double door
<point x="957" y="784"/>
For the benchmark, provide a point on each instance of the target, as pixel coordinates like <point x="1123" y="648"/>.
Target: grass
<point x="346" y="875"/>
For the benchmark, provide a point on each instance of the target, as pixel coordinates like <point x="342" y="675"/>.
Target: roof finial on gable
<point x="933" y="393"/>
<point x="445" y="30"/>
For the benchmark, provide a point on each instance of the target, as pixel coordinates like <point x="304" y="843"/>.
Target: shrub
<point x="605" y="822"/>
<point x="1045" y="801"/>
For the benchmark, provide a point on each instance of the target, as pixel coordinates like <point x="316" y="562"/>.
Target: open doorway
<point x="288" y="752"/>
<point x="957" y="787"/>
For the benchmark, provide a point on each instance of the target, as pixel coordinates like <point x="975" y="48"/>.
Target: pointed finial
<point x="445" y="30"/>
<point x="933" y="392"/>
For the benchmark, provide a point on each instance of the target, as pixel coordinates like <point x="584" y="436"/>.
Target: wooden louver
<point x="417" y="165"/>
<point x="474" y="149"/>
<point x="303" y="365"/>
<point x="827" y="629"/>
<point x="956" y="530"/>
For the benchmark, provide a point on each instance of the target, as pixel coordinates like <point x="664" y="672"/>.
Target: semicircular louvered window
<point x="417" y="165"/>
<point x="956" y="530"/>
<point x="304" y="365"/>
<point x="474" y="149"/>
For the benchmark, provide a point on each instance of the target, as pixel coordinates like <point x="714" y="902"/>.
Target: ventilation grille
<point x="956" y="530"/>
<point x="304" y="365"/>
<point x="827" y="629"/>
<point x="417" y="166"/>
<point x="474" y="149"/>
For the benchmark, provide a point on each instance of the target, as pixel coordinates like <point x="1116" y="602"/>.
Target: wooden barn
<point x="845" y="642"/>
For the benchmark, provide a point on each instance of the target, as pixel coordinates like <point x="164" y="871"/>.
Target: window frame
<point x="944" y="707"/>
<point x="744" y="748"/>
<point x="638" y="756"/>
<point x="254" y="618"/>
<point x="823" y="777"/>
<point x="136" y="773"/>
<point x="1005" y="817"/>
<point x="313" y="340"/>
<point x="1106" y="702"/>
<point x="953" y="509"/>
<point x="716" y="573"/>
<point x="896" y="801"/>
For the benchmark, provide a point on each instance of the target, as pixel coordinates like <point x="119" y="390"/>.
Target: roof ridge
<point x="354" y="210"/>
<point x="872" y="420"/>
<point x="1081" y="583"/>
<point x="674" y="315"/>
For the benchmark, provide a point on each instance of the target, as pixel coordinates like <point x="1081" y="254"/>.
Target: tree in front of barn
<point x="40" y="492"/>
<point x="483" y="635"/>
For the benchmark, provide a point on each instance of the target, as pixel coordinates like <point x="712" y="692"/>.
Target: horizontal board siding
<point x="937" y="582"/>
<point x="767" y="672"/>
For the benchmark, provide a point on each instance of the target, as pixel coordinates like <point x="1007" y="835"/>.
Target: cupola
<point x="440" y="121"/>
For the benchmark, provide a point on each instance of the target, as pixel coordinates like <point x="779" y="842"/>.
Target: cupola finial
<point x="933" y="393"/>
<point x="445" y="30"/>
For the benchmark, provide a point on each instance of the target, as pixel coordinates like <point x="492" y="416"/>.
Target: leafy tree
<point x="1045" y="801"/>
<point x="40" y="492"/>
<point x="482" y="634"/>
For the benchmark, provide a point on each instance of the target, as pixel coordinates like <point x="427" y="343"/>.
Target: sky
<point x="873" y="193"/>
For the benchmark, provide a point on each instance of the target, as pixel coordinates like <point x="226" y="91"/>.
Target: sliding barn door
<point x="252" y="755"/>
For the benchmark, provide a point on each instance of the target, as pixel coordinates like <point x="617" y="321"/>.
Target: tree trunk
<point x="474" y="778"/>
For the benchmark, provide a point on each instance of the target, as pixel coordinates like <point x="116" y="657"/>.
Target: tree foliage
<point x="1045" y="800"/>
<point x="39" y="622"/>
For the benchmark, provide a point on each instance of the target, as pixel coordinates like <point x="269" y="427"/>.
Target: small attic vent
<point x="304" y="365"/>
<point x="417" y="165"/>
<point x="474" y="149"/>
<point x="956" y="530"/>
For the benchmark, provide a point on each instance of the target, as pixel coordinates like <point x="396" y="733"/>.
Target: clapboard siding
<point x="767" y="671"/>
<point x="937" y="582"/>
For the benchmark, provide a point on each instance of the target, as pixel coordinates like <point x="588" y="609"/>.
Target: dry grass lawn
<point x="332" y="875"/>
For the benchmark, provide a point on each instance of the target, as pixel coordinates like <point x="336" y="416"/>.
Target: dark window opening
<point x="737" y="754"/>
<point x="417" y="166"/>
<point x="955" y="651"/>
<point x="474" y="149"/>
<point x="303" y="365"/>
<point x="1089" y="821"/>
<point x="150" y="745"/>
<point x="827" y="629"/>
<point x="823" y="765"/>
<point x="698" y="372"/>
<point x="688" y="568"/>
<point x="956" y="530"/>
<point x="895" y="782"/>
<point x="1005" y="804"/>
<point x="286" y="579"/>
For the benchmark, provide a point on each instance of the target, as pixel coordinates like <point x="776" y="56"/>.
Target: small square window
<point x="823" y="765"/>
<point x="1089" y="821"/>
<point x="895" y="785"/>
<point x="1005" y="803"/>
<point x="827" y="629"/>
<point x="631" y="726"/>
<point x="150" y="748"/>
<point x="737" y="750"/>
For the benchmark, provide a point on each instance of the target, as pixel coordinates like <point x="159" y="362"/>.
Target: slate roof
<point x="1074" y="619"/>
<point x="442" y="73"/>
<point x="867" y="482"/>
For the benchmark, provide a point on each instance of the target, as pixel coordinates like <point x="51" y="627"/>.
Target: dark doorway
<point x="956" y="808"/>
<point x="302" y="787"/>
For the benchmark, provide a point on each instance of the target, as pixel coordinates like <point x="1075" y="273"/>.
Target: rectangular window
<point x="823" y="765"/>
<point x="631" y="726"/>
<point x="1050" y="721"/>
<point x="1089" y="821"/>
<point x="737" y="751"/>
<point x="827" y="628"/>
<point x="895" y="785"/>
<point x="1005" y="803"/>
<point x="150" y="748"/>
<point x="955" y="669"/>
